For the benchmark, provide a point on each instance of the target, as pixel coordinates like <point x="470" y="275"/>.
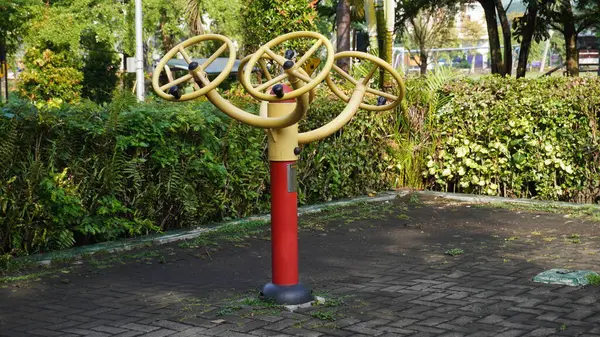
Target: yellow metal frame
<point x="295" y="71"/>
<point x="279" y="117"/>
<point x="379" y="63"/>
<point x="280" y="59"/>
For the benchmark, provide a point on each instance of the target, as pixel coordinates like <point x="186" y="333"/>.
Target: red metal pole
<point x="284" y="223"/>
<point x="285" y="287"/>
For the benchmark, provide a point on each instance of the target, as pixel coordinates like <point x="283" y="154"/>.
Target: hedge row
<point x="85" y="173"/>
<point x="79" y="174"/>
<point x="532" y="138"/>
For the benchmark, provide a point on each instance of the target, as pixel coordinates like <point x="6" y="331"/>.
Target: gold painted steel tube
<point x="337" y="123"/>
<point x="248" y="118"/>
<point x="264" y="112"/>
<point x="254" y="120"/>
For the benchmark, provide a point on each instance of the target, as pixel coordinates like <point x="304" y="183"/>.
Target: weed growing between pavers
<point x="26" y="277"/>
<point x="346" y="215"/>
<point x="455" y="252"/>
<point x="325" y="326"/>
<point x="248" y="305"/>
<point x="233" y="234"/>
<point x="324" y="315"/>
<point x="414" y="199"/>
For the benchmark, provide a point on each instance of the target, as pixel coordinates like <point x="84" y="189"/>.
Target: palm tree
<point x="378" y="23"/>
<point x="342" y="19"/>
<point x="346" y="9"/>
<point x="193" y="13"/>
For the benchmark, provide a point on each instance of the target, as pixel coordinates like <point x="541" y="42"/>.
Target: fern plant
<point x="415" y="136"/>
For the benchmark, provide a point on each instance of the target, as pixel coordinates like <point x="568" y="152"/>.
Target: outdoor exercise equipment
<point x="285" y="101"/>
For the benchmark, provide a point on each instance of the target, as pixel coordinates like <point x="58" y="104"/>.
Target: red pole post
<point x="285" y="287"/>
<point x="284" y="223"/>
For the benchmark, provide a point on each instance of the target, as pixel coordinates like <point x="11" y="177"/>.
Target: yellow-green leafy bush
<point x="519" y="138"/>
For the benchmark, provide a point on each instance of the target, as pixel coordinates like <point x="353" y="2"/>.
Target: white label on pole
<point x="292" y="178"/>
<point x="130" y="65"/>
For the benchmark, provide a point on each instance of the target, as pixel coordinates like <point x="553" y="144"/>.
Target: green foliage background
<point x="534" y="138"/>
<point x="73" y="174"/>
<point x="86" y="173"/>
<point x="264" y="20"/>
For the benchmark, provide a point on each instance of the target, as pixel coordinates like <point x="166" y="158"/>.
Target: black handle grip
<point x="174" y="91"/>
<point x="288" y="65"/>
<point x="290" y="54"/>
<point x="278" y="90"/>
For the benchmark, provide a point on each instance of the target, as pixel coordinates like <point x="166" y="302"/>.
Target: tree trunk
<point x="570" y="35"/>
<point x="167" y="41"/>
<point x="506" y="33"/>
<point x="489" y="9"/>
<point x="528" y="31"/>
<point x="423" y="59"/>
<point x="381" y="37"/>
<point x="343" y="32"/>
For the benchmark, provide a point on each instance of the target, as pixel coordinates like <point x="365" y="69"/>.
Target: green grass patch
<point x="587" y="212"/>
<point x="230" y="233"/>
<point x="414" y="199"/>
<point x="228" y="310"/>
<point x="593" y="279"/>
<point x="25" y="277"/>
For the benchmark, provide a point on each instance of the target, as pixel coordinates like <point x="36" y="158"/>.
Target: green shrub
<point x="49" y="76"/>
<point x="86" y="173"/>
<point x="519" y="138"/>
<point x="264" y="20"/>
<point x="99" y="70"/>
<point x="353" y="161"/>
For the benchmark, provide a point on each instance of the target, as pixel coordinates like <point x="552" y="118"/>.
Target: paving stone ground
<point x="381" y="267"/>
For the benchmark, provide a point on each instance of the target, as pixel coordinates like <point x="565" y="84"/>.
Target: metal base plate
<point x="294" y="294"/>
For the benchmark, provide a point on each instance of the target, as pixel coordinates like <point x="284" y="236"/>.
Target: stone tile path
<point x="381" y="267"/>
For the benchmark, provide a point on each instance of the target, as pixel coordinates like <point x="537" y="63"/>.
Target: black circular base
<point x="295" y="294"/>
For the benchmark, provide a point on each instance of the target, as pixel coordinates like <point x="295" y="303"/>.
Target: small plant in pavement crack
<point x="455" y="252"/>
<point x="324" y="315"/>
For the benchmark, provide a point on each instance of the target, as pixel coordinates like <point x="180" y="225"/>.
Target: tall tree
<point x="263" y="20"/>
<point x="409" y="8"/>
<point x="13" y="21"/>
<point x="570" y="18"/>
<point x="343" y="32"/>
<point x="429" y="29"/>
<point x="567" y="19"/>
<point x="525" y="28"/>
<point x="471" y="34"/>
<point x="507" y="36"/>
<point x="223" y="17"/>
<point x="491" y="19"/>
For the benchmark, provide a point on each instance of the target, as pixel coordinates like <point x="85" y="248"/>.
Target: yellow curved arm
<point x="337" y="123"/>
<point x="246" y="117"/>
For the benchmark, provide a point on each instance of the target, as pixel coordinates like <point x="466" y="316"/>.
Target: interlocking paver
<point x="394" y="281"/>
